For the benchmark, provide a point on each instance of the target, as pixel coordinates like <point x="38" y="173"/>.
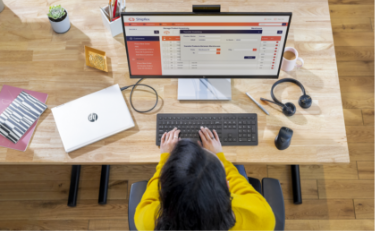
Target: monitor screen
<point x="195" y="46"/>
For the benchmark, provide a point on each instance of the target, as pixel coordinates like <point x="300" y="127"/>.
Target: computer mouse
<point x="283" y="139"/>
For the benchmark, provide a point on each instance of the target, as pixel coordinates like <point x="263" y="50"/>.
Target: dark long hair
<point x="193" y="191"/>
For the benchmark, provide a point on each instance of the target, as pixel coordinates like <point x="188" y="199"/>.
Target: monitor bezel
<point x="205" y="14"/>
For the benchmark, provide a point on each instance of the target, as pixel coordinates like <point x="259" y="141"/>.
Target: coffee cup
<point x="290" y="58"/>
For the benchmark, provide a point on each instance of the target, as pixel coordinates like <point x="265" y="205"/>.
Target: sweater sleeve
<point x="251" y="210"/>
<point x="147" y="209"/>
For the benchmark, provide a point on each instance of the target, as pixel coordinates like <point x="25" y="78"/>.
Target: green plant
<point x="56" y="12"/>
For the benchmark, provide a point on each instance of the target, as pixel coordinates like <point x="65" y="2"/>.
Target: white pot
<point x="1" y="5"/>
<point x="62" y="26"/>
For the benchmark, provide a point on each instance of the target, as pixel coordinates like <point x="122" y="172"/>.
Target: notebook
<point x="19" y="112"/>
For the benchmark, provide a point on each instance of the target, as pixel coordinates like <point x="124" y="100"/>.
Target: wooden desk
<point x="32" y="56"/>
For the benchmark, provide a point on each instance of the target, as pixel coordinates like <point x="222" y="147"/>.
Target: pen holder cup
<point x="115" y="26"/>
<point x="2" y="6"/>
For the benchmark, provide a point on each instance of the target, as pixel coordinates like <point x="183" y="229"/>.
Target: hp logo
<point x="93" y="117"/>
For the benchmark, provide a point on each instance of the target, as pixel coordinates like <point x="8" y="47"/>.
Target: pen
<point x="114" y="10"/>
<point x="260" y="106"/>
<point x="110" y="11"/>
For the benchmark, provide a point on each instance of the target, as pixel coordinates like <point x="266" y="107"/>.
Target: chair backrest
<point x="136" y="192"/>
<point x="271" y="190"/>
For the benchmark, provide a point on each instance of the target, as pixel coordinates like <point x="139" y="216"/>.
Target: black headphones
<point x="289" y="109"/>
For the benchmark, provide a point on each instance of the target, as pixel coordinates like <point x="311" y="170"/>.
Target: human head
<point x="193" y="191"/>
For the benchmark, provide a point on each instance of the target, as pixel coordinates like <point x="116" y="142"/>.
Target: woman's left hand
<point x="169" y="141"/>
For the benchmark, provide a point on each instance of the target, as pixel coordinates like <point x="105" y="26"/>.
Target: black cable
<point x="131" y="95"/>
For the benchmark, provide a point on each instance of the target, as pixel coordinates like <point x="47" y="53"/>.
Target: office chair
<point x="270" y="189"/>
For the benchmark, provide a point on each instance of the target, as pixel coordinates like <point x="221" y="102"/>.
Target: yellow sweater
<point x="251" y="210"/>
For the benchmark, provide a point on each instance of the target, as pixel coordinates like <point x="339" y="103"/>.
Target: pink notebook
<point x="7" y="95"/>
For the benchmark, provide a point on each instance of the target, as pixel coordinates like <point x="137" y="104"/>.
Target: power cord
<point x="131" y="95"/>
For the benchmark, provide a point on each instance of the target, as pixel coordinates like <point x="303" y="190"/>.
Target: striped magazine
<point x="19" y="116"/>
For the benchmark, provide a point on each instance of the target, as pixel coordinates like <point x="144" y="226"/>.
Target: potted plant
<point x="58" y="17"/>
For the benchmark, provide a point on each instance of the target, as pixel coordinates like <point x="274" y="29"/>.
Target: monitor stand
<point x="204" y="89"/>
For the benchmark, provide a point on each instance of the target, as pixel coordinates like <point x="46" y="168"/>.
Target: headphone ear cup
<point x="305" y="101"/>
<point x="289" y="109"/>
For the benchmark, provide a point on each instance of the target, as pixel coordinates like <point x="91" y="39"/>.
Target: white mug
<point x="288" y="65"/>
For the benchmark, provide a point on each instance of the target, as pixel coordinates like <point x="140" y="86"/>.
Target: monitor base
<point x="204" y="89"/>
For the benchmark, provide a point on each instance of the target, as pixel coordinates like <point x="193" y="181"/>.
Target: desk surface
<point x="32" y="56"/>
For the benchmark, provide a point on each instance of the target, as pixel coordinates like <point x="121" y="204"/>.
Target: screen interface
<point x="205" y="45"/>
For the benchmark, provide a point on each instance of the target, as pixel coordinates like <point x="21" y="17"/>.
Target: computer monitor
<point x="214" y="47"/>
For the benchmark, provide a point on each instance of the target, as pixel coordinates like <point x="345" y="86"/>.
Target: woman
<point x="196" y="188"/>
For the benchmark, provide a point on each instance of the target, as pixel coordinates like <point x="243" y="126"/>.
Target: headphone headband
<point x="283" y="81"/>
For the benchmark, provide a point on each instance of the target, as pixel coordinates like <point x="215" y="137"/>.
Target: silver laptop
<point x="92" y="117"/>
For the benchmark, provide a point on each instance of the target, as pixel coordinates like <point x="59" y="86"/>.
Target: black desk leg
<point x="103" y="190"/>
<point x="74" y="182"/>
<point x="296" y="184"/>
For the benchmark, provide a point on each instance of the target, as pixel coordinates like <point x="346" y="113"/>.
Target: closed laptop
<point x="92" y="117"/>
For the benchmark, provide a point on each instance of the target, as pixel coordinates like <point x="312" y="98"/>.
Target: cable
<point x="131" y="95"/>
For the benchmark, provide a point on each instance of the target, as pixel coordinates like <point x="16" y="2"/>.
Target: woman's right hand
<point x="210" y="140"/>
<point x="169" y="141"/>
